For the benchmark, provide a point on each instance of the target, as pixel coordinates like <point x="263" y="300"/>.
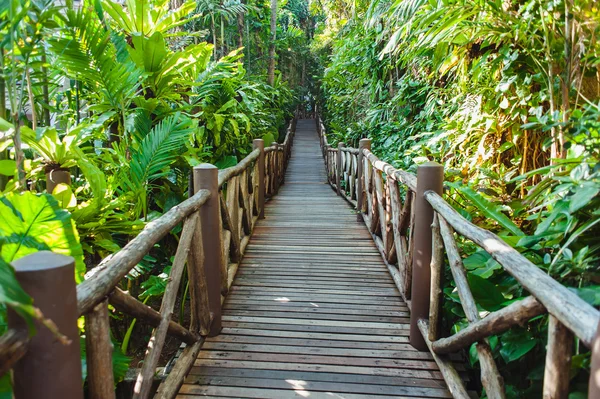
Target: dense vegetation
<point x="506" y="94"/>
<point x="124" y="100"/>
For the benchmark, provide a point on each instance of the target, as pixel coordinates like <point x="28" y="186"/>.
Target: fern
<point x="88" y="53"/>
<point x="154" y="155"/>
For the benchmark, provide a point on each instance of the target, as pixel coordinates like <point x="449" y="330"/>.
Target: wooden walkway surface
<point x="313" y="312"/>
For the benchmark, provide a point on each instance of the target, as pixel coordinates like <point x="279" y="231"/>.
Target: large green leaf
<point x="487" y="295"/>
<point x="148" y="52"/>
<point x="34" y="223"/>
<point x="8" y="167"/>
<point x="489" y="209"/>
<point x="481" y="264"/>
<point x="12" y="295"/>
<point x="515" y="344"/>
<point x="226" y="162"/>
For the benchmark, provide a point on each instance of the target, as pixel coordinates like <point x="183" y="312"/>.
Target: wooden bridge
<point x="312" y="311"/>
<point x="298" y="290"/>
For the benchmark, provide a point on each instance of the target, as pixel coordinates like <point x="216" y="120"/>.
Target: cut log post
<point x="206" y="177"/>
<point x="558" y="360"/>
<point x="594" y="386"/>
<point x="199" y="304"/>
<point x="339" y="173"/>
<point x="437" y="277"/>
<point x="51" y="368"/>
<point x="56" y="177"/>
<point x="360" y="186"/>
<point x="260" y="145"/>
<point x="430" y="176"/>
<point x="99" y="348"/>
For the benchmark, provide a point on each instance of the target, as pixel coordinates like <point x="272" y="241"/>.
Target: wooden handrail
<point x="391" y="222"/>
<point x="228" y="173"/>
<point x="579" y="316"/>
<point x="101" y="280"/>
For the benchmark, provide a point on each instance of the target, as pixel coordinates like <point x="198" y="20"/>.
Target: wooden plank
<point x="314" y="376"/>
<point x="317" y="367"/>
<point x="321" y="351"/>
<point x="311" y="342"/>
<point x="236" y="392"/>
<point x="313" y="387"/>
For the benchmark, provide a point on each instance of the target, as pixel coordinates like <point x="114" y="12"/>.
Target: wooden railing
<point x="218" y="221"/>
<point x="412" y="226"/>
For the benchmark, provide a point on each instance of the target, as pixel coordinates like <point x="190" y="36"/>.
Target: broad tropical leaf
<point x="34" y="223"/>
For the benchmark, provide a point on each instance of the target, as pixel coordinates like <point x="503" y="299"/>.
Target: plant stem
<point x="45" y="91"/>
<point x="31" y="99"/>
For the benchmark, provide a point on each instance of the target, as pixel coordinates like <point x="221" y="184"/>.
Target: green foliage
<point x="36" y="222"/>
<point x="502" y="94"/>
<point x="127" y="99"/>
<point x="13" y="296"/>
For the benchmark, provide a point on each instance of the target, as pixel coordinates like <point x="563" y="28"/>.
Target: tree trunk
<point x="3" y="154"/>
<point x="45" y="91"/>
<point x="214" y="35"/>
<point x="271" y="70"/>
<point x="240" y="28"/>
<point x="223" y="44"/>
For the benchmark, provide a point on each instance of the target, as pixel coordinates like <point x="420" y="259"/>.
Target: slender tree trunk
<point x="566" y="81"/>
<point x="271" y="69"/>
<point x="31" y="100"/>
<point x="3" y="154"/>
<point x="223" y="44"/>
<point x="214" y="35"/>
<point x="240" y="28"/>
<point x="45" y="92"/>
<point x="2" y="88"/>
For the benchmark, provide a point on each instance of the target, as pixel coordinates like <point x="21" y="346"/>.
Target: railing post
<point x="99" y="349"/>
<point x="50" y="368"/>
<point x="277" y="172"/>
<point x="364" y="144"/>
<point x="340" y="169"/>
<point x="206" y="177"/>
<point x="430" y="177"/>
<point x="594" y="385"/>
<point x="260" y="144"/>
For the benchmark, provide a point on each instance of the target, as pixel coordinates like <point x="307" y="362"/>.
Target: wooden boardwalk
<point x="313" y="312"/>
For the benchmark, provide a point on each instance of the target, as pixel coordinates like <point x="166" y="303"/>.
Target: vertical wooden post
<point x="436" y="293"/>
<point x="430" y="176"/>
<point x="56" y="177"/>
<point x="594" y="386"/>
<point x="260" y="144"/>
<point x="558" y="360"/>
<point x="364" y="144"/>
<point x="206" y="177"/>
<point x="278" y="167"/>
<point x="50" y="368"/>
<point x="101" y="384"/>
<point x="340" y="169"/>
